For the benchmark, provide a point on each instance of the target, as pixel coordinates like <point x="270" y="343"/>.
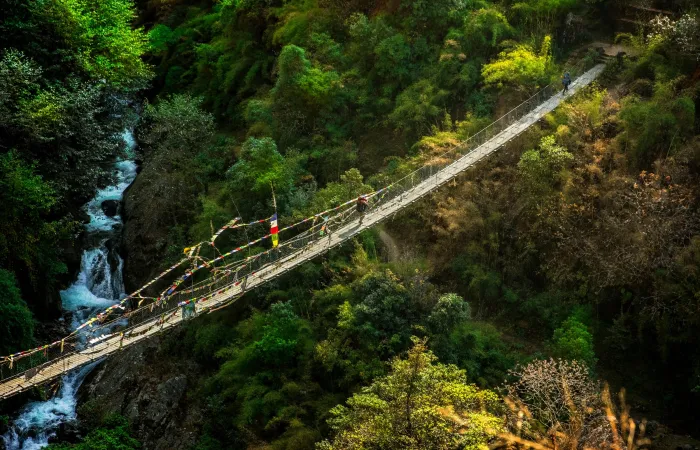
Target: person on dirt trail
<point x="566" y="82"/>
<point x="362" y="206"/>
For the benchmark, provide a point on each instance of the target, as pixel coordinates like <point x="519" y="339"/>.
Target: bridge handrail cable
<point x="225" y="280"/>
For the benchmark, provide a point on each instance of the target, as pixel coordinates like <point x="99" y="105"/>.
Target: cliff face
<point x="139" y="241"/>
<point x="152" y="390"/>
<point x="158" y="210"/>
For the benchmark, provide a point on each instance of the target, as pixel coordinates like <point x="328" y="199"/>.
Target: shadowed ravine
<point x="99" y="284"/>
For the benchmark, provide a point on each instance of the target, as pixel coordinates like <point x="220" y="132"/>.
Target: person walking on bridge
<point x="362" y="206"/>
<point x="566" y="82"/>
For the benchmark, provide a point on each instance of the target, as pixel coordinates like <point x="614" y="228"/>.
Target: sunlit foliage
<point x="420" y="403"/>
<point x="540" y="168"/>
<point x="573" y="341"/>
<point x="520" y="67"/>
<point x="101" y="37"/>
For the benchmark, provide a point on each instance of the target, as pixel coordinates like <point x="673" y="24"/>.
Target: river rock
<point x="67" y="432"/>
<point x="112" y="246"/>
<point x="111" y="207"/>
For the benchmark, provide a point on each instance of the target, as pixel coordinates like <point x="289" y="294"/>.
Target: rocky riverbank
<point x="152" y="390"/>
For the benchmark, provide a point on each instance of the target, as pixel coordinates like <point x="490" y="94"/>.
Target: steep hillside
<point x="578" y="242"/>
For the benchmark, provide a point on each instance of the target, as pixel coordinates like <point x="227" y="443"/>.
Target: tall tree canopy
<point x="419" y="404"/>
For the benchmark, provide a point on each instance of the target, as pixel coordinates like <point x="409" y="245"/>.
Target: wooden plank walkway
<point x="55" y="368"/>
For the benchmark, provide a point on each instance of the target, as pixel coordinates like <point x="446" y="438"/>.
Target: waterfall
<point x="99" y="285"/>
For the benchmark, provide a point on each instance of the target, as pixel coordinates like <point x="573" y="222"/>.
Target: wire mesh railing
<point x="229" y="277"/>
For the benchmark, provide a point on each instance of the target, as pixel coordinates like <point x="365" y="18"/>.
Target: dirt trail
<point x="392" y="249"/>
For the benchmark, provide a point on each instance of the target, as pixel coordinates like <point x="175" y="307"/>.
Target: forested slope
<point x="66" y="70"/>
<point x="304" y="91"/>
<point x="579" y="241"/>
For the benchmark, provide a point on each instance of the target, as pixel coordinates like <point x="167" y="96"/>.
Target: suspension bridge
<point x="139" y="317"/>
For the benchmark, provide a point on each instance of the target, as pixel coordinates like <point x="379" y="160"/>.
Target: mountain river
<point x="99" y="285"/>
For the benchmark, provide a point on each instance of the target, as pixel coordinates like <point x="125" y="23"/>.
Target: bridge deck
<point x="55" y="368"/>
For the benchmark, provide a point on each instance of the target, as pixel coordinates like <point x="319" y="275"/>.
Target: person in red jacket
<point x="362" y="206"/>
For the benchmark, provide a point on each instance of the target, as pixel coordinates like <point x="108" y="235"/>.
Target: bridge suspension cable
<point x="139" y="317"/>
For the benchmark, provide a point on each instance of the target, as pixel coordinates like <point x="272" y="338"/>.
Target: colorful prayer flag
<point x="274" y="230"/>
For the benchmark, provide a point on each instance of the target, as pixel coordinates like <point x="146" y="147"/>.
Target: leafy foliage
<point x="29" y="241"/>
<point x="113" y="434"/>
<point x="173" y="132"/>
<point x="521" y="67"/>
<point x="323" y="100"/>
<point x="573" y="341"/>
<point x="256" y="379"/>
<point x="658" y="125"/>
<point x="17" y="326"/>
<point x="419" y="404"/>
<point x="478" y="348"/>
<point x="100" y="34"/>
<point x="419" y="107"/>
<point x="63" y="127"/>
<point x="66" y="70"/>
<point x="450" y="310"/>
<point x="540" y="168"/>
<point x="260" y="169"/>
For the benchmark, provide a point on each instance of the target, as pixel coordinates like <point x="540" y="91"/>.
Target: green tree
<point x="420" y="404"/>
<point x="373" y="323"/>
<point x="259" y="168"/>
<point x="393" y="59"/>
<point x="113" y="434"/>
<point x="478" y="348"/>
<point x="451" y="309"/>
<point x="28" y="241"/>
<point x="351" y="185"/>
<point x="59" y="125"/>
<point x="261" y="381"/>
<point x="484" y="29"/>
<point x="456" y="72"/>
<point x="573" y="341"/>
<point x="540" y="168"/>
<point x="19" y="77"/>
<point x="301" y="91"/>
<point x="174" y="131"/>
<point x="101" y="38"/>
<point x="538" y="16"/>
<point x="174" y="134"/>
<point x="432" y="17"/>
<point x="655" y="127"/>
<point x="419" y="107"/>
<point x="520" y="67"/>
<point x="384" y="315"/>
<point x="16" y="321"/>
<point x="160" y="37"/>
<point x="92" y="40"/>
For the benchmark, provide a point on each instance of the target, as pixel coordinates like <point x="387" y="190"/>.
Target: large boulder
<point x="68" y="433"/>
<point x="110" y="207"/>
